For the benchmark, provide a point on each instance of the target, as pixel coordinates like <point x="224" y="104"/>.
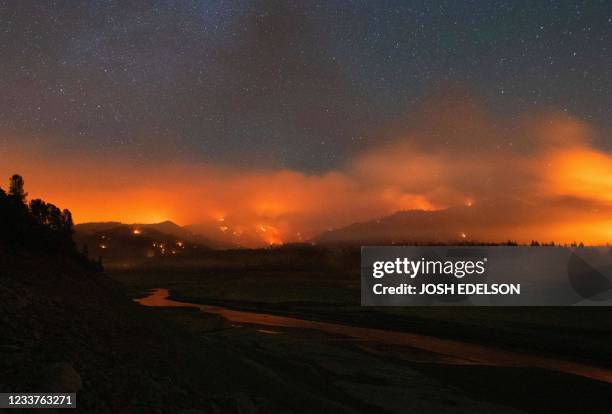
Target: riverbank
<point x="462" y="352"/>
<point x="393" y="378"/>
<point x="371" y="371"/>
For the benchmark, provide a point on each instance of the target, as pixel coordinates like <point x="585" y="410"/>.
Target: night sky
<point x="281" y="120"/>
<point x="299" y="85"/>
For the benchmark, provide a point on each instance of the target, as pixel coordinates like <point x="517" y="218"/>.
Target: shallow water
<point x="468" y="352"/>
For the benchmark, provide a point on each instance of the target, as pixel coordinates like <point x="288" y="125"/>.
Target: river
<point x="473" y="353"/>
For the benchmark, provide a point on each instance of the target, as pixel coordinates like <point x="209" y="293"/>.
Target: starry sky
<point x="293" y="84"/>
<point x="309" y="88"/>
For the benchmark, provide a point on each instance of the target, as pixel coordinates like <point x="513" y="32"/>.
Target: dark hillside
<point x="37" y="226"/>
<point x="67" y="329"/>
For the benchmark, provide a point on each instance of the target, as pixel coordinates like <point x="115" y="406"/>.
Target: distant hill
<point x="90" y="228"/>
<point x="458" y="224"/>
<point x="222" y="237"/>
<point x="167" y="227"/>
<point x="115" y="241"/>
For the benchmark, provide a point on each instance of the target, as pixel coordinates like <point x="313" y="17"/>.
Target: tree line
<point x="36" y="225"/>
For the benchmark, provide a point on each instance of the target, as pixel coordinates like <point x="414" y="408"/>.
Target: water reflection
<point x="468" y="352"/>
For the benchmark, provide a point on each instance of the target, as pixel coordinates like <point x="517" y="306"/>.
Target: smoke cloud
<point x="536" y="178"/>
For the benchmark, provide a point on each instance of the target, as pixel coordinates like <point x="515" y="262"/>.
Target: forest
<point x="36" y="225"/>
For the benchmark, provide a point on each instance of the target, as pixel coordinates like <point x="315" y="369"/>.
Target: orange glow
<point x="582" y="173"/>
<point x="270" y="234"/>
<point x="271" y="207"/>
<point x="556" y="187"/>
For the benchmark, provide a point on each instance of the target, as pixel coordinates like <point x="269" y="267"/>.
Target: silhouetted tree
<point x="39" y="210"/>
<point x="68" y="223"/>
<point x="37" y="226"/>
<point x="56" y="221"/>
<point x="16" y="189"/>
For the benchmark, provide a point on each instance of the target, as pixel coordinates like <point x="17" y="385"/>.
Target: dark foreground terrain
<point x="323" y="285"/>
<point x="67" y="329"/>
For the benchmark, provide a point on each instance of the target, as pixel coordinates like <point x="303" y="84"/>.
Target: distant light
<point x="179" y="243"/>
<point x="136" y="231"/>
<point x="463" y="235"/>
<point x="102" y="246"/>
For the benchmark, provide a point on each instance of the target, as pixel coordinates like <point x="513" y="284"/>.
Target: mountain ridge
<point x="454" y="224"/>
